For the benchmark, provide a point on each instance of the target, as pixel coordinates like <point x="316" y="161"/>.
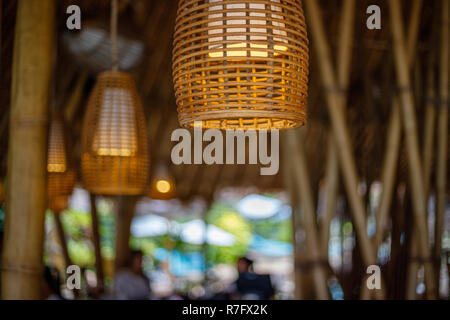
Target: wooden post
<point x="341" y="132"/>
<point x="299" y="169"/>
<point x="22" y="266"/>
<point x="410" y="127"/>
<point x="442" y="146"/>
<point x="125" y="215"/>
<point x="97" y="245"/>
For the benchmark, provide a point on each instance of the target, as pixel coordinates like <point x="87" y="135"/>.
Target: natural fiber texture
<point x="241" y="64"/>
<point x="60" y="168"/>
<point x="115" y="159"/>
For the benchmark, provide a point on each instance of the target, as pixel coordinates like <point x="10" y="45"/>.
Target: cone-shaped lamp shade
<point x="115" y="159"/>
<point x="61" y="175"/>
<point x="241" y="64"/>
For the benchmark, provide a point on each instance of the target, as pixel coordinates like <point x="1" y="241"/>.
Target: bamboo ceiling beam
<point x="22" y="265"/>
<point x="442" y="146"/>
<point x="410" y="130"/>
<point x="341" y="132"/>
<point x="299" y="169"/>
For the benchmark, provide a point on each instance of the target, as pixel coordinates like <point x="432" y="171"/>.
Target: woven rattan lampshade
<point x="61" y="175"/>
<point x="115" y="158"/>
<point x="241" y="64"/>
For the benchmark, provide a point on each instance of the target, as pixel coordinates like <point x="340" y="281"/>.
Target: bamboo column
<point x="125" y="215"/>
<point x="22" y="266"/>
<point x="442" y="147"/>
<point x="341" y="132"/>
<point x="410" y="127"/>
<point x="299" y="168"/>
<point x="97" y="245"/>
<point x="295" y="219"/>
<point x="343" y="73"/>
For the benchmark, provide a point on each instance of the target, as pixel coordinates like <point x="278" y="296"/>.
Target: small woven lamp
<point x="241" y="64"/>
<point x="61" y="175"/>
<point x="162" y="186"/>
<point x="115" y="158"/>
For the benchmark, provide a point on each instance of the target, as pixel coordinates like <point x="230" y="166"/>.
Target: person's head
<point x="244" y="264"/>
<point x="136" y="261"/>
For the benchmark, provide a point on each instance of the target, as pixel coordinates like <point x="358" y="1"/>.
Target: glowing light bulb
<point x="256" y="25"/>
<point x="163" y="186"/>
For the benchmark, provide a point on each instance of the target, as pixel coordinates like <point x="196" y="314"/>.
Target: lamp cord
<point x="114" y="50"/>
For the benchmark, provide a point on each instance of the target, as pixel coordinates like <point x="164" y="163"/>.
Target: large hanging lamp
<point x="241" y="64"/>
<point x="115" y="158"/>
<point x="61" y="175"/>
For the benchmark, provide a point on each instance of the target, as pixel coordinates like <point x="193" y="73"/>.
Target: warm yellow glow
<point x="56" y="167"/>
<point x="114" y="152"/>
<point x="243" y="53"/>
<point x="163" y="186"/>
<point x="116" y="136"/>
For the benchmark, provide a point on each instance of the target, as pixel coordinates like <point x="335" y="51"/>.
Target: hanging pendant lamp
<point x="241" y="64"/>
<point x="115" y="158"/>
<point x="61" y="175"/>
<point x="162" y="186"/>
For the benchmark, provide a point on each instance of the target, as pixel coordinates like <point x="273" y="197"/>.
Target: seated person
<point x="130" y="283"/>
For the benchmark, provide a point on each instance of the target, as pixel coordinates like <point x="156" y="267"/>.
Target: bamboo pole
<point x="341" y="132"/>
<point x="427" y="155"/>
<point x="22" y="265"/>
<point x="300" y="171"/>
<point x="125" y="215"/>
<point x="97" y="245"/>
<point x="75" y="97"/>
<point x="394" y="135"/>
<point x="410" y="127"/>
<point x="295" y="219"/>
<point x="62" y="238"/>
<point x="442" y="146"/>
<point x="343" y="73"/>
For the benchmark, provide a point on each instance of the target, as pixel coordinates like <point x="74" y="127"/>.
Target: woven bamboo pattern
<point x="115" y="159"/>
<point x="61" y="175"/>
<point x="241" y="64"/>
